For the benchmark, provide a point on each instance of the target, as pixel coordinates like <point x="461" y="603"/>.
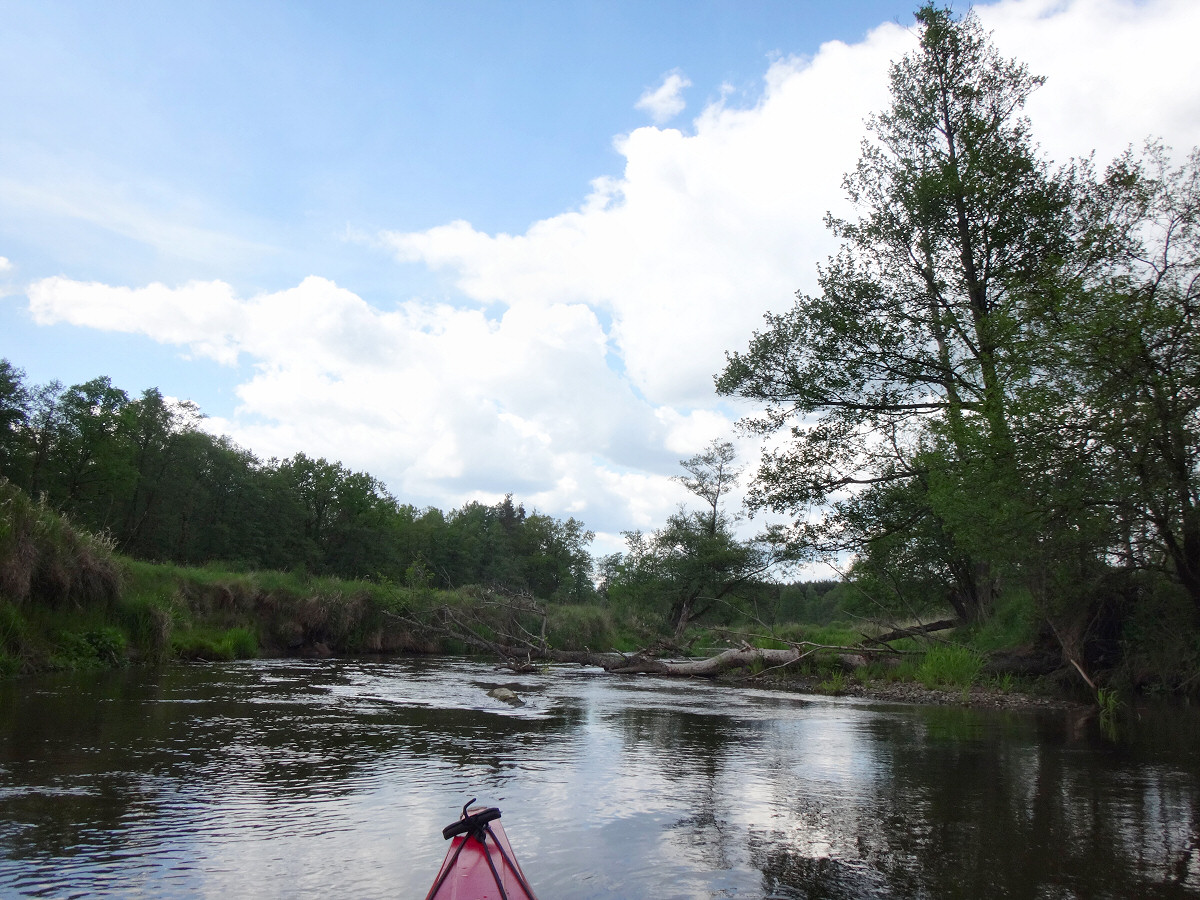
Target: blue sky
<point x="265" y="134"/>
<point x="474" y="247"/>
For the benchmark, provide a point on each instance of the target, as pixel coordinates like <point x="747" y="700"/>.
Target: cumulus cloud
<point x="665" y="102"/>
<point x="5" y="264"/>
<point x="704" y="231"/>
<point x="575" y="365"/>
<point x="701" y="234"/>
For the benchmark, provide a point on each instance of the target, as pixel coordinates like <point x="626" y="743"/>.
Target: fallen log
<point x="522" y="652"/>
<point x="915" y="631"/>
<point x="645" y="663"/>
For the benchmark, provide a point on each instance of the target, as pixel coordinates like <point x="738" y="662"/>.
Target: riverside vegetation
<point x="991" y="408"/>
<point x="69" y="602"/>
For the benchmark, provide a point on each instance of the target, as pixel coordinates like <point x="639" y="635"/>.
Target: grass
<point x="215" y="644"/>
<point x="1109" y="702"/>
<point x="835" y="684"/>
<point x="950" y="665"/>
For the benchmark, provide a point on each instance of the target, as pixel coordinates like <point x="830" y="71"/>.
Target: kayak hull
<point x="481" y="866"/>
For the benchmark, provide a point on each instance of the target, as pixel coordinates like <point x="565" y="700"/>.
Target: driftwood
<point x="644" y="662"/>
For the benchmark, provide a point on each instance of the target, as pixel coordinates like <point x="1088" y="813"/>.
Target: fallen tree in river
<point x="513" y="629"/>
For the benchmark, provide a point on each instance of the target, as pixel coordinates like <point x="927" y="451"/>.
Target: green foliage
<point x="1014" y="623"/>
<point x="578" y="626"/>
<point x="101" y="648"/>
<point x="1004" y="684"/>
<point x="993" y="401"/>
<point x="215" y="644"/>
<point x="1160" y="640"/>
<point x="815" y="602"/>
<point x="949" y="665"/>
<point x="14" y="639"/>
<point x="694" y="566"/>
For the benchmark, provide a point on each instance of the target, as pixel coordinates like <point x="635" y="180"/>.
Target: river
<point x="333" y="778"/>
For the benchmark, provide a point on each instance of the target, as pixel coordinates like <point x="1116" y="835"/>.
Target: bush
<point x="1013" y="624"/>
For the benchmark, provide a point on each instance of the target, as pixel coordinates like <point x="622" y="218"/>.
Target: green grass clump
<point x="950" y="665"/>
<point x="835" y="684"/>
<point x="215" y="644"/>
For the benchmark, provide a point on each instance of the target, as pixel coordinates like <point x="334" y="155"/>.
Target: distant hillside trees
<point x="141" y="470"/>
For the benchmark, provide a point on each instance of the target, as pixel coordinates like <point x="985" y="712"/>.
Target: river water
<point x="333" y="778"/>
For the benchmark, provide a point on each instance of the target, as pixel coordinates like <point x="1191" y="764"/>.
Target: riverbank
<point x="69" y="603"/>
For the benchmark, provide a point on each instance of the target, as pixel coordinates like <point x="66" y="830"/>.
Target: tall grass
<point x="950" y="665"/>
<point x="46" y="561"/>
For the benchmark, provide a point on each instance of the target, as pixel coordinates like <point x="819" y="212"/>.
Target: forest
<point x="989" y="413"/>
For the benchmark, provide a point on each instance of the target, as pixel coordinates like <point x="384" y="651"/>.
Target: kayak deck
<point x="480" y="864"/>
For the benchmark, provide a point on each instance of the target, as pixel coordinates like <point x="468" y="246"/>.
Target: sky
<point x="477" y="248"/>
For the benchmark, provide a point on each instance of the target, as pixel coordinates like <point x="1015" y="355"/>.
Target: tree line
<point x="142" y="471"/>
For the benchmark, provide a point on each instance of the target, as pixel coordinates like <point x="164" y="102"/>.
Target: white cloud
<point x="5" y="264"/>
<point x="704" y="231"/>
<point x="701" y="234"/>
<point x="594" y="374"/>
<point x="665" y="102"/>
<point x="1116" y="71"/>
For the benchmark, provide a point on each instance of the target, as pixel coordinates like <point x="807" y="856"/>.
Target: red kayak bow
<point x="479" y="864"/>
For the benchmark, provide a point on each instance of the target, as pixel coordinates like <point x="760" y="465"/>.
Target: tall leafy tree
<point x="900" y="381"/>
<point x="154" y="428"/>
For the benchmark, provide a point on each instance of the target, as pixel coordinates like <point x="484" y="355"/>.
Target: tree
<point x="91" y="453"/>
<point x="902" y="379"/>
<point x="694" y="563"/>
<point x="14" y="416"/>
<point x="154" y="427"/>
<point x="1131" y="341"/>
